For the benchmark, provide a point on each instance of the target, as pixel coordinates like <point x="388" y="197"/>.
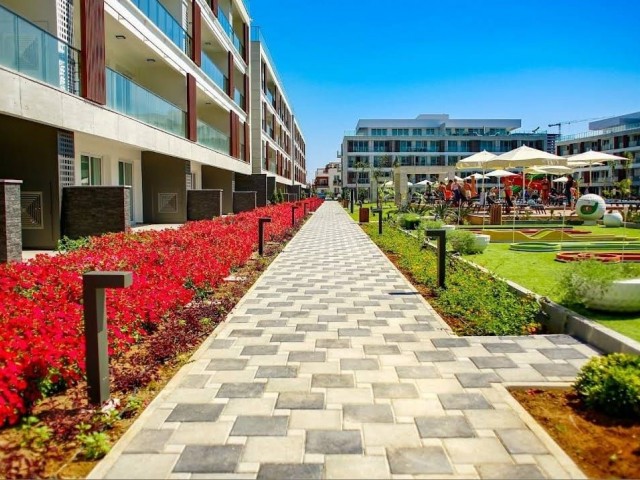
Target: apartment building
<point x="278" y="147"/>
<point x="328" y="180"/>
<point x="616" y="135"/>
<point x="153" y="95"/>
<point x="424" y="148"/>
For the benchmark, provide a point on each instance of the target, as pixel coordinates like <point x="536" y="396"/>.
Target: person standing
<point x="569" y="184"/>
<point x="544" y="190"/>
<point x="508" y="192"/>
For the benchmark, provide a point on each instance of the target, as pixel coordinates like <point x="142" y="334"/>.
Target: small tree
<point x="378" y="173"/>
<point x="360" y="166"/>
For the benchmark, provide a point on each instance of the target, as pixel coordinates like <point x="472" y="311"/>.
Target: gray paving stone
<point x="463" y="401"/>
<point x="403" y="306"/>
<point x="381" y="350"/>
<point x="521" y="441"/>
<point x="149" y="441"/>
<point x="555" y="369"/>
<point x="561" y="353"/>
<point x="271" y="323"/>
<point x="394" y="390"/>
<point x="221" y="344"/>
<point x="300" y="400"/>
<point x="416" y="327"/>
<point x="562" y="339"/>
<point x="195" y="412"/>
<point x="504" y="347"/>
<point x="333" y="343"/>
<point x="444" y="426"/>
<point x="400" y="337"/>
<point x="350" y="310"/>
<point x="507" y="471"/>
<point x="389" y="314"/>
<point x="279" y="304"/>
<point x="493" y="362"/>
<point x="208" y="459"/>
<point x="276" y="372"/>
<point x="259" y="311"/>
<point x="260" y="425"/>
<point x="334" y="442"/>
<point x="367" y="413"/>
<point x="366" y="303"/>
<point x="332" y="318"/>
<point x="220" y="364"/>
<point x="419" y="461"/>
<point x="295" y="314"/>
<point x="435" y="356"/>
<point x="417" y="372"/>
<point x="359" y="364"/>
<point x="311" y="327"/>
<point x="194" y="381"/>
<point x="354" y="332"/>
<point x="315" y="306"/>
<point x="246" y="332"/>
<point x="259" y="350"/>
<point x="477" y="380"/>
<point x="299" y="471"/>
<point x="373" y="323"/>
<point x="449" y="342"/>
<point x="307" y="357"/>
<point x="241" y="390"/>
<point x="330" y="380"/>
<point x="287" y="337"/>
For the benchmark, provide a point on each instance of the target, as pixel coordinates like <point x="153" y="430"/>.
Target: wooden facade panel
<point x="247" y="143"/>
<point x="92" y="55"/>
<point x="192" y="113"/>
<point x="196" y="34"/>
<point x="230" y="74"/>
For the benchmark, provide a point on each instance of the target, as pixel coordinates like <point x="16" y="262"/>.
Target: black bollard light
<point x="95" y="329"/>
<point x="379" y="212"/>
<point x="441" y="235"/>
<point x="261" y="222"/>
<point x="352" y="199"/>
<point x="293" y="215"/>
<point x="306" y="208"/>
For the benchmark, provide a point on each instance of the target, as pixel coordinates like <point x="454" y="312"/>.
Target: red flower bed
<point x="42" y="346"/>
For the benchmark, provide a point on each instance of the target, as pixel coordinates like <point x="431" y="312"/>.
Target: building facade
<point x="424" y="148"/>
<point x="328" y="180"/>
<point x="153" y="95"/>
<point x="616" y="135"/>
<point x="278" y="147"/>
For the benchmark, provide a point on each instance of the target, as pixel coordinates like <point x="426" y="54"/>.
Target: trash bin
<point x="364" y="214"/>
<point x="495" y="214"/>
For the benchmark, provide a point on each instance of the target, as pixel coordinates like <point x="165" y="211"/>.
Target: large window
<point x="417" y="132"/>
<point x="90" y="170"/>
<point x="378" y="132"/>
<point x="400" y="132"/>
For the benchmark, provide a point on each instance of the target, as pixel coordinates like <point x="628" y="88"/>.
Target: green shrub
<point x="462" y="242"/>
<point x="433" y="224"/>
<point x="480" y="303"/>
<point x="594" y="277"/>
<point x="66" y="244"/>
<point x="409" y="221"/>
<point x="611" y="384"/>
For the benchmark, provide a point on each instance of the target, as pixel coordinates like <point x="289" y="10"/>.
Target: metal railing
<point x="35" y="53"/>
<point x="212" y="138"/>
<point x="597" y="133"/>
<point x="129" y="98"/>
<point x="160" y="16"/>
<point x="228" y="29"/>
<point x="214" y="73"/>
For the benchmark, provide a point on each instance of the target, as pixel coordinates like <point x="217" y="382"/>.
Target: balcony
<point x="214" y="73"/>
<point x="228" y="29"/>
<point x="238" y="97"/>
<point x="212" y="138"/>
<point x="35" y="53"/>
<point x="129" y="98"/>
<point x="159" y="15"/>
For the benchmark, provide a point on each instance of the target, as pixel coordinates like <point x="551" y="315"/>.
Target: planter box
<point x="620" y="296"/>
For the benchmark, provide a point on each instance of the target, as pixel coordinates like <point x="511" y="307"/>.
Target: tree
<point x="378" y="173"/>
<point x="362" y="193"/>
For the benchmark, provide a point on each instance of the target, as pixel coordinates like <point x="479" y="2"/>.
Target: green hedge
<point x="481" y="304"/>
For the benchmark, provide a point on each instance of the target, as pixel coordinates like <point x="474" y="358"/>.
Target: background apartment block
<point x="616" y="135"/>
<point x="427" y="147"/>
<point x="149" y="94"/>
<point x="328" y="180"/>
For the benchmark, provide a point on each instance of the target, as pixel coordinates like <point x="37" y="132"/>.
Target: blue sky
<point x="542" y="61"/>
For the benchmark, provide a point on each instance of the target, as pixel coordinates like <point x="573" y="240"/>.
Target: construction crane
<point x="559" y="124"/>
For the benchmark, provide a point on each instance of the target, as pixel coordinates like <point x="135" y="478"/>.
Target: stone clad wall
<point x="10" y="221"/>
<point x="255" y="183"/>
<point x="95" y="210"/>
<point x="243" y="201"/>
<point x="204" y="204"/>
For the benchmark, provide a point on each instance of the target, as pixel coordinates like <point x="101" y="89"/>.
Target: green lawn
<point x="540" y="273"/>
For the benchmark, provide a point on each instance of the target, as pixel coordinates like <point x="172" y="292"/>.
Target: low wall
<point x="243" y="201"/>
<point x="95" y="210"/>
<point x="204" y="204"/>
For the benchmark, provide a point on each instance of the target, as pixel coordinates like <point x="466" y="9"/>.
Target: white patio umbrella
<point x="455" y="179"/>
<point x="550" y="170"/>
<point x="592" y="158"/>
<point x="477" y="160"/>
<point x="524" y="156"/>
<point x="500" y="174"/>
<point x="477" y="176"/>
<point x="561" y="180"/>
<point x="424" y="182"/>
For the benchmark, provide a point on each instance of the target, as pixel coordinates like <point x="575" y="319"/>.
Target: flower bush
<point x="41" y="319"/>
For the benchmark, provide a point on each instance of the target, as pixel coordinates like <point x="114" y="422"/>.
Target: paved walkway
<point x="334" y="366"/>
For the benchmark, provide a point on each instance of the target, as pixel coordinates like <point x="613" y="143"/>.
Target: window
<point x="405" y="146"/>
<point x="90" y="170"/>
<point x="429" y="131"/>
<point x="378" y="132"/>
<point x="452" y="146"/>
<point x="381" y="146"/>
<point x="357" y="146"/>
<point x="400" y="132"/>
<point x="417" y="132"/>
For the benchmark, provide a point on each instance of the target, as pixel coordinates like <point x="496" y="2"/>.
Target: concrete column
<point x="10" y="221"/>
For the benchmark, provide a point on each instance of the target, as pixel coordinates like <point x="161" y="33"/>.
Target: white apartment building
<point x="616" y="135"/>
<point x="426" y="147"/>
<point x="328" y="180"/>
<point x="278" y="147"/>
<point x="151" y="94"/>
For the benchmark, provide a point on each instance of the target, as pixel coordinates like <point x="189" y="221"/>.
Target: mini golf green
<point x="573" y="246"/>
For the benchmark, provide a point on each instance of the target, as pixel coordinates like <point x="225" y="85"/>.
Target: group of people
<point x="456" y="193"/>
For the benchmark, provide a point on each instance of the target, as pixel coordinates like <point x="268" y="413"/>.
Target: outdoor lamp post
<point x="261" y="223"/>
<point x="293" y="215"/>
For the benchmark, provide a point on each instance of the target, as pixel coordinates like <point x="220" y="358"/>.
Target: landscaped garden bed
<point x="177" y="298"/>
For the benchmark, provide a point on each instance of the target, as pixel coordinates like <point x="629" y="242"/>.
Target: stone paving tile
<point x="346" y="373"/>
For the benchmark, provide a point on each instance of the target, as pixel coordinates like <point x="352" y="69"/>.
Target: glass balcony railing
<point x="35" y="53"/>
<point x="228" y="29"/>
<point x="129" y="98"/>
<point x="161" y="17"/>
<point x="212" y="138"/>
<point x="214" y="73"/>
<point x="238" y="97"/>
<point x="237" y="43"/>
<point x="596" y="133"/>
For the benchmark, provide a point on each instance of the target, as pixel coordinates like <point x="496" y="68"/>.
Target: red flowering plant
<point x="42" y="345"/>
